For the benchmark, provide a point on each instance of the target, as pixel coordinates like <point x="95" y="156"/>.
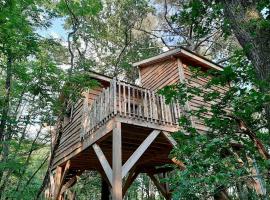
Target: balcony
<point x="130" y="102"/>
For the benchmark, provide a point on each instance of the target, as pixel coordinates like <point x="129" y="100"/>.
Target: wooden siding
<point x="157" y="76"/>
<point x="197" y="102"/>
<point x="168" y="72"/>
<point x="70" y="140"/>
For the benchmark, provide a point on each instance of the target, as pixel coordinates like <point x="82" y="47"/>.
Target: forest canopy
<point x="49" y="47"/>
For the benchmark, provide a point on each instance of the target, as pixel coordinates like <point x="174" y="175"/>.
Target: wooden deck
<point x="133" y="106"/>
<point x="128" y="102"/>
<point x="141" y="118"/>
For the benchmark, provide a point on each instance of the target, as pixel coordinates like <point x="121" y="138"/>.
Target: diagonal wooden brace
<point x="139" y="152"/>
<point x="103" y="161"/>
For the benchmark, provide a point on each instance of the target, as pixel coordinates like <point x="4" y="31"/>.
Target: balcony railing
<point x="128" y="101"/>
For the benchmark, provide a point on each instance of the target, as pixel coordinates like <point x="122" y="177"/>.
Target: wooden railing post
<point x="111" y="97"/>
<point x="119" y="98"/>
<point x="114" y="97"/>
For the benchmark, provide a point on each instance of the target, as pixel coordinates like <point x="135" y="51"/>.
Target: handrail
<point x="129" y="101"/>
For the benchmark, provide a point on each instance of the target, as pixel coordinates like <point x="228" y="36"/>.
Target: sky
<point x="56" y="30"/>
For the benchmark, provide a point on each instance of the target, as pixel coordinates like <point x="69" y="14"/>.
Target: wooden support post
<point x="132" y="176"/>
<point x="117" y="163"/>
<point x="114" y="97"/>
<point x="163" y="191"/>
<point x="60" y="176"/>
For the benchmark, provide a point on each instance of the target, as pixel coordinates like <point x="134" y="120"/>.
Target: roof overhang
<point x="183" y="53"/>
<point x="99" y="76"/>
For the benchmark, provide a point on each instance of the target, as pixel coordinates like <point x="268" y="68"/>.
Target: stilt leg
<point x="117" y="163"/>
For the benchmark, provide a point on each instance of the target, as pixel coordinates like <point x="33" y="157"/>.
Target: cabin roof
<point x="180" y="52"/>
<point x="106" y="79"/>
<point x="100" y="76"/>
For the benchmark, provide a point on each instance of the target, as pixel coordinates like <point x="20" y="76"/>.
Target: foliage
<point x="31" y="83"/>
<point x="111" y="45"/>
<point x="223" y="156"/>
<point x="108" y="36"/>
<point x="89" y="181"/>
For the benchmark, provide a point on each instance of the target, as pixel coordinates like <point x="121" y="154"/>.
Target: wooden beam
<point x="71" y="181"/>
<point x="160" y="187"/>
<point x="117" y="163"/>
<point x="60" y="179"/>
<point x="169" y="138"/>
<point x="182" y="79"/>
<point x="132" y="176"/>
<point x="67" y="167"/>
<point x="103" y="161"/>
<point x="98" y="134"/>
<point x="144" y="123"/>
<point x="201" y="59"/>
<point x="179" y="163"/>
<point x="68" y="184"/>
<point x="139" y="152"/>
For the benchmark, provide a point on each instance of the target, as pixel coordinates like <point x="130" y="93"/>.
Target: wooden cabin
<point x="121" y="130"/>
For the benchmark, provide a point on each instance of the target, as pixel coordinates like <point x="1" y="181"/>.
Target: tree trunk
<point x="7" y="99"/>
<point x="245" y="19"/>
<point x="242" y="193"/>
<point x="105" y="190"/>
<point x="221" y="194"/>
<point x="55" y="147"/>
<point x="4" y="119"/>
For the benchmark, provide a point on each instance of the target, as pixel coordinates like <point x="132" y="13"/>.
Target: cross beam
<point x="160" y="187"/>
<point x="117" y="172"/>
<point x="139" y="152"/>
<point x="131" y="177"/>
<point x="103" y="161"/>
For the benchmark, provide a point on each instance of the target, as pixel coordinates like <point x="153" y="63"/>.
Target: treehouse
<point x="121" y="130"/>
